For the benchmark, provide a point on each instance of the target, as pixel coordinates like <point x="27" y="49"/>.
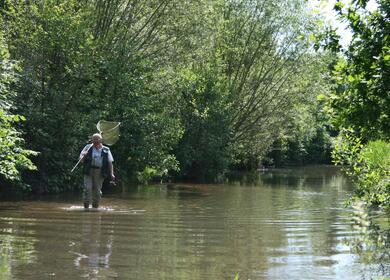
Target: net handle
<point x="102" y="133"/>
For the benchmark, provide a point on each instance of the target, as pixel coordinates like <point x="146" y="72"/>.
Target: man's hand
<point x="112" y="181"/>
<point x="82" y="156"/>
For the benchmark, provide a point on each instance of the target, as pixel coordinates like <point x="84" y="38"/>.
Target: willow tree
<point x="83" y="61"/>
<point x="200" y="80"/>
<point x="262" y="46"/>
<point x="245" y="88"/>
<point x="147" y="43"/>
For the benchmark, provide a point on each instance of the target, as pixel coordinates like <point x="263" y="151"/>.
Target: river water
<point x="276" y="224"/>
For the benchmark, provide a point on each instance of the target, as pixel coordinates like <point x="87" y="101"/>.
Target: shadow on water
<point x="307" y="176"/>
<point x="185" y="191"/>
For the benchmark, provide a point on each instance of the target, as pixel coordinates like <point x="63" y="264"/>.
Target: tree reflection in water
<point x="373" y="242"/>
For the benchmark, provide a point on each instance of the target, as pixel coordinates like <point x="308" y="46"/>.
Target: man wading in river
<point x="98" y="165"/>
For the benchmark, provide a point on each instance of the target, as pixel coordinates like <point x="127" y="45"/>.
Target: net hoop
<point x="109" y="131"/>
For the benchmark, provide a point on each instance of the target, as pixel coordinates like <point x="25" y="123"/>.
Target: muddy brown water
<point x="273" y="224"/>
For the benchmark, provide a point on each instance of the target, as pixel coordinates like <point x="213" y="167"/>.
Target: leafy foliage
<point x="369" y="165"/>
<point x="360" y="105"/>
<point x="203" y="150"/>
<point x="13" y="156"/>
<point x="81" y="65"/>
<point x="262" y="45"/>
<point x="361" y="100"/>
<point x="307" y="136"/>
<point x="197" y="85"/>
<point x="247" y="87"/>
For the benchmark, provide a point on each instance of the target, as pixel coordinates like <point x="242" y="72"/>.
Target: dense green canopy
<point x="199" y="86"/>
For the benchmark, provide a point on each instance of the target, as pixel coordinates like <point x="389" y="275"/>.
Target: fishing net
<point x="109" y="131"/>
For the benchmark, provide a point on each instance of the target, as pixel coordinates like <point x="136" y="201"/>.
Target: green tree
<point x="203" y="150"/>
<point x="307" y="137"/>
<point x="144" y="54"/>
<point x="361" y="101"/>
<point x="88" y="60"/>
<point x="52" y="43"/>
<point x="360" y="105"/>
<point x="251" y="76"/>
<point x="208" y="82"/>
<point x="14" y="157"/>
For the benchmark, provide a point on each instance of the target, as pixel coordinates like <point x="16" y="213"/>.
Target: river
<point x="273" y="224"/>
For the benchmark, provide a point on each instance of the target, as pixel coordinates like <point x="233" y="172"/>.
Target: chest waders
<point x="94" y="177"/>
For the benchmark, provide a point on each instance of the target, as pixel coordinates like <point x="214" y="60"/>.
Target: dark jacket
<point x="88" y="160"/>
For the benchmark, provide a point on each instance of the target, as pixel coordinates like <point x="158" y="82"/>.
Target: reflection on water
<point x="279" y="224"/>
<point x="14" y="249"/>
<point x="93" y="251"/>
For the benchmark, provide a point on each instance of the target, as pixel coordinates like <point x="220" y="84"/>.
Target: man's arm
<point x="111" y="169"/>
<point x="84" y="152"/>
<point x="111" y="164"/>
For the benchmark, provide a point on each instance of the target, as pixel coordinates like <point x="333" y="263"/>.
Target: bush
<point x="368" y="165"/>
<point x="373" y="173"/>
